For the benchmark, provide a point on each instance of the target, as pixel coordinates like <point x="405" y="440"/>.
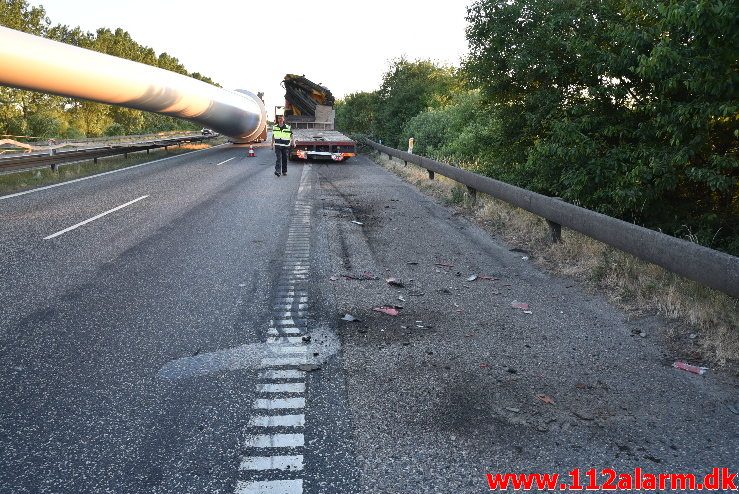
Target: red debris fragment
<point x="546" y="399"/>
<point x="690" y="368"/>
<point x="484" y="366"/>
<point x="520" y="305"/>
<point x="390" y="311"/>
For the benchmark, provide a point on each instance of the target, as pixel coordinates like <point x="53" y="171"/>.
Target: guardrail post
<point x="431" y="175"/>
<point x="555" y="229"/>
<point x="147" y="150"/>
<point x="54" y="167"/>
<point x="95" y="160"/>
<point x="555" y="232"/>
<point x="473" y="194"/>
<point x="125" y="155"/>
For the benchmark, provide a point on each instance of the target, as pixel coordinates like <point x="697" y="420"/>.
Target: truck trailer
<point x="309" y="110"/>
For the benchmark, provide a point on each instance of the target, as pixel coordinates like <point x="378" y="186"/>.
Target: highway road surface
<point x="178" y="327"/>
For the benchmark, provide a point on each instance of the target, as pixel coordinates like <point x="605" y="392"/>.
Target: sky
<point x="346" y="46"/>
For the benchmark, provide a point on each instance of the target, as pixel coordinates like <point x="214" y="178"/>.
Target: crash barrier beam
<point x="56" y="158"/>
<point x="706" y="266"/>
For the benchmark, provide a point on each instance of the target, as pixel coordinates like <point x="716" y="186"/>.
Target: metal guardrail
<point x="706" y="266"/>
<point x="29" y="161"/>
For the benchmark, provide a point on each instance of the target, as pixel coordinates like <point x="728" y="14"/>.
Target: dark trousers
<point x="281" y="163"/>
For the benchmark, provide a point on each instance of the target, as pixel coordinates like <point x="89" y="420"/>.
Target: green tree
<point x="627" y="107"/>
<point x="407" y="89"/>
<point x="356" y="114"/>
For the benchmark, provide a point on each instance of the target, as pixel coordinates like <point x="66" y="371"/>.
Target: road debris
<point x="390" y="311"/>
<point x="395" y="282"/>
<point x="519" y="305"/>
<point x="513" y="409"/>
<point x="488" y="278"/>
<point x="525" y="258"/>
<point x="309" y="367"/>
<point x="484" y="366"/>
<point x="400" y="297"/>
<point x="367" y="275"/>
<point x="413" y="263"/>
<point x="472" y="277"/>
<point x="350" y="318"/>
<point x="357" y="222"/>
<point x="546" y="399"/>
<point x="334" y="278"/>
<point x="306" y="338"/>
<point x="583" y="415"/>
<point x="444" y="264"/>
<point x="690" y="368"/>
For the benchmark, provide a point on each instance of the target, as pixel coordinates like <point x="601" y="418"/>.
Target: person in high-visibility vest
<point x="282" y="136"/>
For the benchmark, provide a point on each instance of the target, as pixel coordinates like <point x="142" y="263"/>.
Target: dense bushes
<point x="23" y="113"/>
<point x="628" y="108"/>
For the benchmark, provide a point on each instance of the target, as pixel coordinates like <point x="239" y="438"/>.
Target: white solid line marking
<point x="296" y="340"/>
<point x="93" y="218"/>
<point x="284" y="331"/>
<point x="277" y="421"/>
<point x="274" y="441"/>
<point x="38" y="189"/>
<point x="272" y="463"/>
<point x="283" y="349"/>
<point x="270" y="487"/>
<point x="282" y="374"/>
<point x="280" y="361"/>
<point x="285" y="322"/>
<point x="288" y="306"/>
<point x="226" y="161"/>
<point x="278" y="403"/>
<point x="281" y="388"/>
<point x="290" y="300"/>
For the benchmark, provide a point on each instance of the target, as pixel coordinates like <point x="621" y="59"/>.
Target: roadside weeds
<point x="704" y="322"/>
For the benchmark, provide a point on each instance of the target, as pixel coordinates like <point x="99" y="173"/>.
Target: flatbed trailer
<point x="320" y="144"/>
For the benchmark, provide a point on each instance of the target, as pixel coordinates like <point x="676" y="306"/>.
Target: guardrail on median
<point x="706" y="266"/>
<point x="29" y="161"/>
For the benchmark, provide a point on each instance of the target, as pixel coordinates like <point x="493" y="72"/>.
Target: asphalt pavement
<point x="177" y="328"/>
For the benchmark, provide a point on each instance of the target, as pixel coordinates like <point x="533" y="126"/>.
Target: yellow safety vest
<point x="282" y="135"/>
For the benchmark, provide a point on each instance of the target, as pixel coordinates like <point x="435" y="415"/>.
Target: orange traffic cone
<point x="251" y="151"/>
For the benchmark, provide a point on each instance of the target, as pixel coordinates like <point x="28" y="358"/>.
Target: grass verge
<point x="703" y="323"/>
<point x="38" y="177"/>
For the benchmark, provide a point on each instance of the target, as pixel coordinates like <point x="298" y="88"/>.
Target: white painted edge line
<point x="259" y="463"/>
<point x="226" y="161"/>
<point x="38" y="189"/>
<point x="279" y="403"/>
<point x="96" y="217"/>
<point x="270" y="487"/>
<point x="281" y="388"/>
<point x="274" y="441"/>
<point x="297" y="420"/>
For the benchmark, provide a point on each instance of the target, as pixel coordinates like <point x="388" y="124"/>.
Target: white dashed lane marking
<point x="96" y="217"/>
<point x="270" y="487"/>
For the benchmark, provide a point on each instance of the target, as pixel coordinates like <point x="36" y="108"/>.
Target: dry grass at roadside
<point x="706" y="322"/>
<point x="18" y="181"/>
